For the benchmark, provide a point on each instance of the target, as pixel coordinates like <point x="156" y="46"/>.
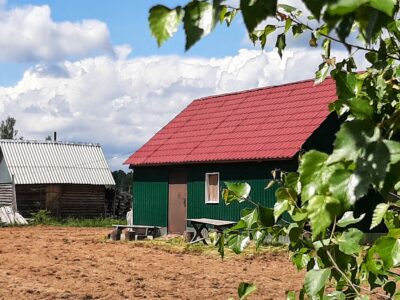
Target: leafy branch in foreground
<point x="325" y="232"/>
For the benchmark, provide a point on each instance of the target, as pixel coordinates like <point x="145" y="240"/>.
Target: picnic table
<point x="204" y="223"/>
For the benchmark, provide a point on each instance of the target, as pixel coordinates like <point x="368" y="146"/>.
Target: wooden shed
<point x="242" y="136"/>
<point x="67" y="179"/>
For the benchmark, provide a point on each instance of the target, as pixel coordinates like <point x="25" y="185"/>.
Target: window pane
<point x="213" y="187"/>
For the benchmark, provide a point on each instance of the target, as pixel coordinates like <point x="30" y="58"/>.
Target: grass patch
<point x="43" y="217"/>
<point x="179" y="245"/>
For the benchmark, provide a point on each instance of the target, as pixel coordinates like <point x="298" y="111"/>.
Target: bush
<point x="44" y="217"/>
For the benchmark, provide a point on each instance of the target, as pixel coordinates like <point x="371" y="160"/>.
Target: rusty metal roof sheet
<point x="46" y="162"/>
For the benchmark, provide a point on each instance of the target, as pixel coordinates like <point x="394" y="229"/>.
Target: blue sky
<point x="91" y="71"/>
<point x="127" y="23"/>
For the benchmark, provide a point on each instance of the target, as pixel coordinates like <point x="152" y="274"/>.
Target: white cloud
<point x="122" y="102"/>
<point x="28" y="34"/>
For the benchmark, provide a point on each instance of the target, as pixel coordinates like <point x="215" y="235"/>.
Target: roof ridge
<point x="49" y="142"/>
<point x="255" y="89"/>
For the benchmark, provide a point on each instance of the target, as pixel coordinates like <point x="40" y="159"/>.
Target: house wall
<point x="6" y="194"/>
<point x="150" y="184"/>
<point x="62" y="200"/>
<point x="150" y="190"/>
<point x="4" y="174"/>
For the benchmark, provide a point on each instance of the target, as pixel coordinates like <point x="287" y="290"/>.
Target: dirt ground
<point x="77" y="263"/>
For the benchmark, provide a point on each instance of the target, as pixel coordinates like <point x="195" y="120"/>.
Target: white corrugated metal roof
<point x="46" y="162"/>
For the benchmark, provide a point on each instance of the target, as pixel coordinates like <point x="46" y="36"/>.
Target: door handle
<point x="184" y="202"/>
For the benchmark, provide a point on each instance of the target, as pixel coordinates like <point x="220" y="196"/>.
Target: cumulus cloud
<point x="122" y="102"/>
<point x="28" y="34"/>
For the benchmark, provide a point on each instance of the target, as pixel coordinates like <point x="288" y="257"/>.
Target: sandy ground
<point x="77" y="263"/>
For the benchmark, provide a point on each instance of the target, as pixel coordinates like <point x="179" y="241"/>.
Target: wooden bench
<point x="140" y="231"/>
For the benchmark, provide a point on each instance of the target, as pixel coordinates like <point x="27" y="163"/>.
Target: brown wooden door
<point x="177" y="202"/>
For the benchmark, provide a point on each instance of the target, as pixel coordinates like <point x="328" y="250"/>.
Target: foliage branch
<point x="320" y="197"/>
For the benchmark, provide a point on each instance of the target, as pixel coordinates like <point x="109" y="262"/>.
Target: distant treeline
<point x="123" y="180"/>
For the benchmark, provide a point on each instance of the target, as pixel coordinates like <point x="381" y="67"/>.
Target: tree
<point x="7" y="130"/>
<point x="320" y="197"/>
<point x="123" y="180"/>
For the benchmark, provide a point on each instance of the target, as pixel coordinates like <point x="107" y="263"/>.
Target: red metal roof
<point x="266" y="123"/>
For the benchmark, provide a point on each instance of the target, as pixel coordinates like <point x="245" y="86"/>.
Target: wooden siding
<point x="6" y="194"/>
<point x="62" y="200"/>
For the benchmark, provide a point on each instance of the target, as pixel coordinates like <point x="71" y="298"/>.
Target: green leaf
<point x="251" y="218"/>
<point x="301" y="259"/>
<point x="346" y="84"/>
<point x="385" y="6"/>
<point x="394" y="149"/>
<point x="163" y="22"/>
<point x="198" y="21"/>
<point x="235" y="192"/>
<point x="361" y="108"/>
<point x="390" y="288"/>
<point x="290" y="295"/>
<point x="388" y="249"/>
<point x="326" y="45"/>
<point x="294" y="232"/>
<point x="287" y="8"/>
<point x="349" y="241"/>
<point x="348" y="219"/>
<point x="379" y="212"/>
<point x="322" y="73"/>
<point x="269" y="29"/>
<point x="245" y="289"/>
<point x="281" y="43"/>
<point x="270" y="184"/>
<point x="260" y="237"/>
<point x="238" y="242"/>
<point x="392" y="219"/>
<point x="292" y="181"/>
<point x="335" y="295"/>
<point x="315" y="6"/>
<point x="310" y="168"/>
<point x="280" y="207"/>
<point x="221" y="245"/>
<point x="266" y="216"/>
<point x="343" y="7"/>
<point x="297" y="30"/>
<point x="256" y="11"/>
<point x="288" y="24"/>
<point x="322" y="210"/>
<point x="313" y="41"/>
<point x="352" y="137"/>
<point x="315" y="281"/>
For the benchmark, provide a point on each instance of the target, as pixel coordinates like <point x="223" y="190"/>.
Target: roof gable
<point x="267" y="123"/>
<point x="45" y="162"/>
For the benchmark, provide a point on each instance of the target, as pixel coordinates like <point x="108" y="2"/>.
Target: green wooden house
<point x="242" y="136"/>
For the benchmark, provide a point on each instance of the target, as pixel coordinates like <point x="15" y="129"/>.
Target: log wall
<point x="83" y="201"/>
<point x="6" y="194"/>
<point x="69" y="200"/>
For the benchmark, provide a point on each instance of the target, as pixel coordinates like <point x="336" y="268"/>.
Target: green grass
<point x="179" y="245"/>
<point x="43" y="217"/>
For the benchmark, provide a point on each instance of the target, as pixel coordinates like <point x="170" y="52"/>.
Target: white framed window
<point x="212" y="188"/>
